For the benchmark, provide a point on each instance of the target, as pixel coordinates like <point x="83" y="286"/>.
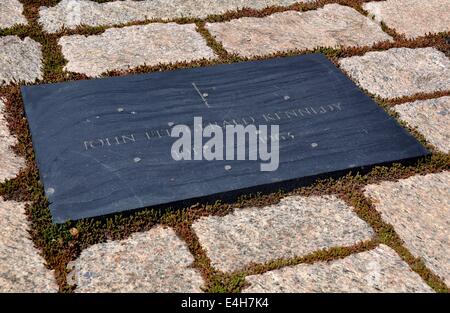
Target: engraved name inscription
<point x="264" y="118"/>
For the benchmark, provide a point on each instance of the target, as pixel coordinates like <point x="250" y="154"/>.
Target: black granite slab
<point x="335" y="128"/>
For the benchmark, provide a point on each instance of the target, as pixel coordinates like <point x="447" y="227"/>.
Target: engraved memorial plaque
<point x="103" y="146"/>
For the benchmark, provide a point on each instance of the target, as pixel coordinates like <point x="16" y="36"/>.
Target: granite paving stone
<point x="20" y="60"/>
<point x="331" y="26"/>
<point x="412" y="18"/>
<point x="377" y="270"/>
<point x="133" y="46"/>
<point x="400" y="72"/>
<point x="152" y="261"/>
<point x="10" y="162"/>
<point x="72" y="13"/>
<point x="294" y="227"/>
<point x="11" y="14"/>
<point x="431" y="118"/>
<point x="419" y="209"/>
<point x="22" y="268"/>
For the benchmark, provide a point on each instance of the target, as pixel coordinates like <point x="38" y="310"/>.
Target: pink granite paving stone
<point x="412" y="18"/>
<point x="331" y="26"/>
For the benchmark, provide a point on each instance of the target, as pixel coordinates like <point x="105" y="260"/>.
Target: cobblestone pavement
<point x="387" y="232"/>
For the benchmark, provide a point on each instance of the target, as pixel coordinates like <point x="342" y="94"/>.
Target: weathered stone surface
<point x="20" y="60"/>
<point x="419" y="210"/>
<point x="71" y="13"/>
<point x="431" y="118"/>
<point x="294" y="227"/>
<point x="11" y="13"/>
<point x="22" y="269"/>
<point x="10" y="163"/>
<point x="400" y="72"/>
<point x="152" y="261"/>
<point x="413" y="18"/>
<point x="331" y="26"/>
<point x="377" y="270"/>
<point x="128" y="47"/>
<point x="112" y="151"/>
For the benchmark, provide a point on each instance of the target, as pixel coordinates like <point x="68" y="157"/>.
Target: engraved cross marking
<point x="285" y="97"/>
<point x="200" y="94"/>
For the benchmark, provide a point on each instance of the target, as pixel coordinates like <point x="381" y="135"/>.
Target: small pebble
<point x="74" y="232"/>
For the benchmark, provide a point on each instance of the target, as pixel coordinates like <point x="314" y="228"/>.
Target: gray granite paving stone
<point x="20" y="60"/>
<point x="294" y="227"/>
<point x="22" y="269"/>
<point x="11" y="14"/>
<point x="377" y="270"/>
<point x="128" y="47"/>
<point x="400" y="72"/>
<point x="419" y="210"/>
<point x="72" y="13"/>
<point x="10" y="163"/>
<point x="412" y="18"/>
<point x="152" y="261"/>
<point x="331" y="26"/>
<point x="431" y="118"/>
